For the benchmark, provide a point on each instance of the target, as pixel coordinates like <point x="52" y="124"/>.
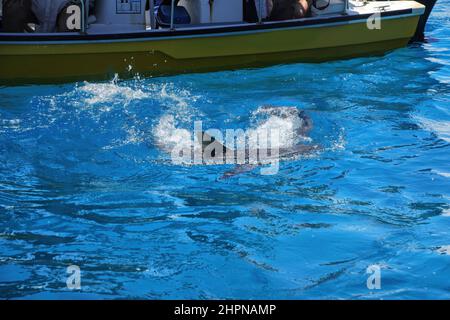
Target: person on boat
<point x="276" y="10"/>
<point x="17" y="14"/>
<point x="47" y="12"/>
<point x="288" y="9"/>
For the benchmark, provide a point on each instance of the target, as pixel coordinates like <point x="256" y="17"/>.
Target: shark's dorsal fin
<point x="205" y="140"/>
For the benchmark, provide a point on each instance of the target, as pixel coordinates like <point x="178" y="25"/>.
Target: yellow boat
<point x="365" y="28"/>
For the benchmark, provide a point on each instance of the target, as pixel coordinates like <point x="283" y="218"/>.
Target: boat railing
<point x="260" y="14"/>
<point x="172" y="13"/>
<point x="152" y="15"/>
<point x="83" y="15"/>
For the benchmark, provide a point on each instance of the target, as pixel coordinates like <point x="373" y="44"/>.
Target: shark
<point x="207" y="147"/>
<point x="249" y="158"/>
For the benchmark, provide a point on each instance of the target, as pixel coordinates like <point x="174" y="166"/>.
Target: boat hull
<point x="51" y="61"/>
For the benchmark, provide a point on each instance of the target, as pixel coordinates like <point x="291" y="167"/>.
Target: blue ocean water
<point x="82" y="182"/>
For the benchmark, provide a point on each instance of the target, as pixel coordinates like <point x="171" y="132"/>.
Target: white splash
<point x="442" y="174"/>
<point x="178" y="101"/>
<point x="440" y="127"/>
<point x="168" y="136"/>
<point x="284" y="120"/>
<point x="173" y="128"/>
<point x="106" y="93"/>
<point x="340" y="143"/>
<point x="446" y="213"/>
<point x="444" y="250"/>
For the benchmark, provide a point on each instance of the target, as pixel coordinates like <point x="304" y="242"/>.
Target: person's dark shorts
<point x="16" y="15"/>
